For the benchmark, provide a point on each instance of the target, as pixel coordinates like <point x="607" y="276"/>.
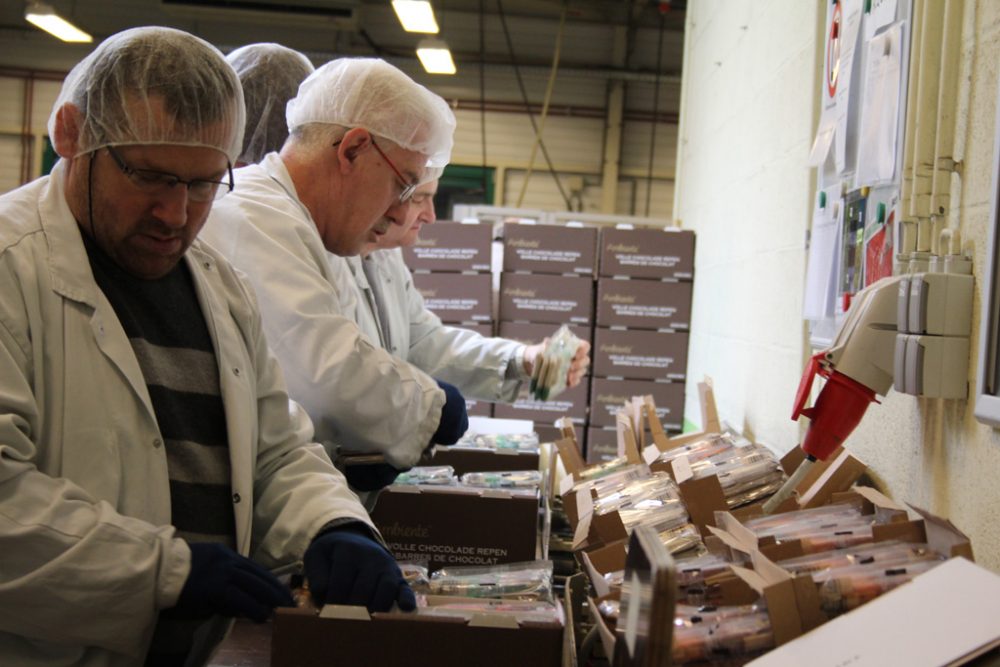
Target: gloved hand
<point x="223" y="582"/>
<point x="347" y="566"/>
<point x="454" y="420"/>
<point x="370" y="476"/>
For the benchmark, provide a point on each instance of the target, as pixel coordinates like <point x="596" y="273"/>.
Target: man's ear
<point x="356" y="140"/>
<point x="66" y="133"/>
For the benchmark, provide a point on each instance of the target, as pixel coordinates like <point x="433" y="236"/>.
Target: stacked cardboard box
<point x="643" y="317"/>
<point x="547" y="281"/>
<point x="451" y="265"/>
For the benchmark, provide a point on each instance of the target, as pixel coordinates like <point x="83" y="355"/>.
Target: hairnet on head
<point x="270" y="74"/>
<point x="371" y="93"/>
<point x="155" y="86"/>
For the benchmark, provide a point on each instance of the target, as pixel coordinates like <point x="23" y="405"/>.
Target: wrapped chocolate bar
<point x="428" y="475"/>
<point x="505" y="479"/>
<point x="844" y="589"/>
<point x="512" y="581"/>
<point x="548" y="378"/>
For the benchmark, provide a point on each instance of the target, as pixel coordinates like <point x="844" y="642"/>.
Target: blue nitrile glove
<point x="370" y="476"/>
<point x="454" y="420"/>
<point x="223" y="582"/>
<point x="346" y="565"/>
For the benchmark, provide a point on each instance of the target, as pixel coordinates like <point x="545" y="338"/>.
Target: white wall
<point x="742" y="185"/>
<point x="747" y="119"/>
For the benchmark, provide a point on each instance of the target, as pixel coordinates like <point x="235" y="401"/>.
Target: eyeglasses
<point x="408" y="188"/>
<point x="154" y="182"/>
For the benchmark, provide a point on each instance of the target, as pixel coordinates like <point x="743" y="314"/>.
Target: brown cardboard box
<point x="476" y="408"/>
<point x="643" y="304"/>
<point x="607" y="396"/>
<point x="457" y="297"/>
<point x="530" y="332"/>
<point x="647" y="253"/>
<point x="550" y="249"/>
<point x="546" y="431"/>
<point x="571" y="403"/>
<point x="452" y="246"/>
<point x="640" y="355"/>
<point x="458" y="526"/>
<point x="542" y="298"/>
<point x="602" y="444"/>
<point x="350" y="636"/>
<point x="471" y="459"/>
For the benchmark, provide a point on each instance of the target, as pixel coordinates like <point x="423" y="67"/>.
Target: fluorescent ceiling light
<point x="416" y="15"/>
<point x="46" y="18"/>
<point x="435" y="57"/>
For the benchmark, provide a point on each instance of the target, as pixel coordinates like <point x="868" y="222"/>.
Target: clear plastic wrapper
<point x="604" y="469"/>
<point x="513" y="581"/>
<point x="768" y="524"/>
<point x="721" y="634"/>
<point x="647" y="493"/>
<point x="698" y="578"/>
<point x="416" y="576"/>
<point x="428" y="475"/>
<point x="819" y="529"/>
<point x="614" y="479"/>
<point x="884" y="553"/>
<point x="847" y="588"/>
<point x="505" y="479"/>
<point x="523" y="610"/>
<point x="551" y="367"/>
<point x="610" y="609"/>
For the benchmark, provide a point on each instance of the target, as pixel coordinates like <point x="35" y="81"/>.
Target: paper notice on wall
<point x="823" y="140"/>
<point x="824" y="254"/>
<point x="843" y="22"/>
<point x="880" y="110"/>
<point x="883" y="12"/>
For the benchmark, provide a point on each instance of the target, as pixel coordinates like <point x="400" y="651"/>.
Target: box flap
<point x="681" y="469"/>
<point x="943" y="536"/>
<point x="627" y="445"/>
<point x="840" y="475"/>
<point x="343" y="611"/>
<point x="709" y="413"/>
<point x="703" y="498"/>
<point x="607" y="637"/>
<point x="493" y="621"/>
<point x="653" y="423"/>
<point x="650" y="453"/>
<point x="569" y="452"/>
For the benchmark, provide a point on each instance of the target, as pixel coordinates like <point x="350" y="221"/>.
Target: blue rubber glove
<point x="371" y="476"/>
<point x="454" y="420"/>
<point x="346" y="566"/>
<point x="223" y="582"/>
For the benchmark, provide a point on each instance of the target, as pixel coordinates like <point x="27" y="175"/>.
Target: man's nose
<point x="172" y="207"/>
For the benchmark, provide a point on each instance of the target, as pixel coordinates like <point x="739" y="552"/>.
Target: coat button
<point x="236" y="372"/>
<point x="208" y="266"/>
<point x="236" y="498"/>
<point x="157" y="443"/>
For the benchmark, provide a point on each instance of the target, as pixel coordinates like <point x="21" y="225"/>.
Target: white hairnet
<point x="371" y="93"/>
<point x="123" y="87"/>
<point x="270" y="74"/>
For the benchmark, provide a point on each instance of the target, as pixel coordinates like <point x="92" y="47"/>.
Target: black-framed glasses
<point x="154" y="182"/>
<point x="408" y="188"/>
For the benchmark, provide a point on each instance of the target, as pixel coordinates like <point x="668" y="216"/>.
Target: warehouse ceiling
<point x="325" y="29"/>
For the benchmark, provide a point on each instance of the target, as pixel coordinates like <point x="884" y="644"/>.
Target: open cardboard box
<point x="351" y="636"/>
<point x="459" y="525"/>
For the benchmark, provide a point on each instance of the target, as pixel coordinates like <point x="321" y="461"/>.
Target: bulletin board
<point x="858" y="156"/>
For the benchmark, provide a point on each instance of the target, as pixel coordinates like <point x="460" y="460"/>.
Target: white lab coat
<point x="488" y="369"/>
<point x="359" y="396"/>
<point x="87" y="555"/>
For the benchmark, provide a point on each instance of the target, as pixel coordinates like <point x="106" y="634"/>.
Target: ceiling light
<point x="435" y="57"/>
<point x="45" y="17"/>
<point x="416" y="15"/>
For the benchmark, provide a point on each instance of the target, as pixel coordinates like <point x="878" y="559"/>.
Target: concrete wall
<point x="746" y="123"/>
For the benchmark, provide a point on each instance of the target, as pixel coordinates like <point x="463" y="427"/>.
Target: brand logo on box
<point x="516" y="291"/>
<point x="610" y="398"/>
<point x="621" y="247"/>
<point x="427" y="293"/>
<point x="619" y="298"/>
<point x="617" y="349"/>
<point x="426" y="243"/>
<point x="522" y="243"/>
<point x="396" y="530"/>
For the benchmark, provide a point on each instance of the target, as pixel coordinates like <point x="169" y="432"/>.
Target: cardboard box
<point x="547" y="432"/>
<point x="475" y="408"/>
<point x="643" y="304"/>
<point x="481" y="328"/>
<point x="571" y="403"/>
<point x="457" y="525"/>
<point x="452" y="246"/>
<point x="608" y="395"/>
<point x="602" y="444"/>
<point x="550" y="249"/>
<point x="457" y="297"/>
<point x="542" y="298"/>
<point x="647" y="253"/>
<point x="469" y="459"/>
<point x="350" y="636"/>
<point x="639" y="355"/>
<point x="531" y="332"/>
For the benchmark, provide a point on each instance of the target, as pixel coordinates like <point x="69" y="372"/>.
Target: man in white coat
<point x="392" y="311"/>
<point x="363" y="136"/>
<point x="152" y="469"/>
